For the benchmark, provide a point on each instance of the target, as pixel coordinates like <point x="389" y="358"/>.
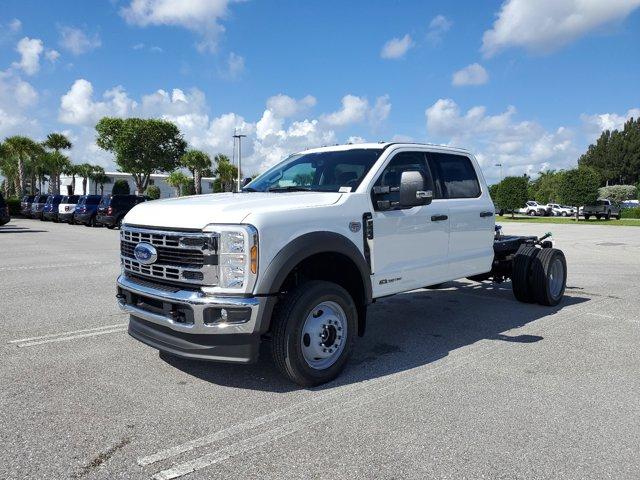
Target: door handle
<point x="486" y="214"/>
<point x="438" y="218"/>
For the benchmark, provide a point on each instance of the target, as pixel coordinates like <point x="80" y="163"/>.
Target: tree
<point x="120" y="187"/>
<point x="141" y="146"/>
<point x="25" y="150"/>
<point x="85" y="170"/>
<point x="153" y="192"/>
<point x="177" y="180"/>
<point x="57" y="142"/>
<point x="73" y="170"/>
<point x="493" y="191"/>
<point x="579" y="187"/>
<point x="197" y="162"/>
<point x="9" y="169"/>
<point x="618" y="193"/>
<point x="544" y="189"/>
<point x="99" y="177"/>
<point x="511" y="193"/>
<point x="615" y="156"/>
<point x="57" y="163"/>
<point x="226" y="172"/>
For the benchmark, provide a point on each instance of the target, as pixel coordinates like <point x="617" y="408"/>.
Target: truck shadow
<point x="404" y="332"/>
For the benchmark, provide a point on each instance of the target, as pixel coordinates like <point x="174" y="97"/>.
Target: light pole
<point x="499" y="165"/>
<point x="239" y="136"/>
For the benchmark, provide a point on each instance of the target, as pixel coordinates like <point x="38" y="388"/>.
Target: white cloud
<point x="473" y="74"/>
<point x="17" y="97"/>
<point x="30" y="50"/>
<point x="438" y="26"/>
<point x="380" y="110"/>
<point x="15" y="25"/>
<point x="138" y="46"/>
<point x="77" y="106"/>
<point x="77" y="41"/>
<point x="396" y="47"/>
<point x="521" y="146"/>
<point x="200" y="16"/>
<point x="546" y="25"/>
<point x="595" y="124"/>
<point x="52" y="55"/>
<point x="356" y="110"/>
<point x="284" y="106"/>
<point x="234" y="67"/>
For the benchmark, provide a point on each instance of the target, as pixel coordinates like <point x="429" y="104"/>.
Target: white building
<point x="157" y="179"/>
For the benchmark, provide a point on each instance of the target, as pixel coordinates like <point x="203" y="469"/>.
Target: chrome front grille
<point x="182" y="257"/>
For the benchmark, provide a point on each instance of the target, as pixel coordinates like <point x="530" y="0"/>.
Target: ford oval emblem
<point x="145" y="253"/>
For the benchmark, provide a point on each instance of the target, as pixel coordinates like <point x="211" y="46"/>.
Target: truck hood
<point x="197" y="211"/>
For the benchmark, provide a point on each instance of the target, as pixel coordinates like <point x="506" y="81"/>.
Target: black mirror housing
<point x="412" y="189"/>
<point x="245" y="182"/>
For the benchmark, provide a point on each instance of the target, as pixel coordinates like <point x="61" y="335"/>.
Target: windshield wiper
<point x="290" y="188"/>
<point x="249" y="189"/>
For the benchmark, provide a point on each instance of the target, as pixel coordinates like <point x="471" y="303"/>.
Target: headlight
<point x="237" y="258"/>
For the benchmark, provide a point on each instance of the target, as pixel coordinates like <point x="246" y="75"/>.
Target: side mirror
<point x="412" y="190"/>
<point x="245" y="182"/>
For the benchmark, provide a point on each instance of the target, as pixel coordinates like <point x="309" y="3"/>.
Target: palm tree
<point x="58" y="163"/>
<point x="197" y="162"/>
<point x="72" y="170"/>
<point x="24" y="149"/>
<point x="8" y="168"/>
<point x="57" y="142"/>
<point x="177" y="179"/>
<point x="85" y="170"/>
<point x="99" y="177"/>
<point x="226" y="172"/>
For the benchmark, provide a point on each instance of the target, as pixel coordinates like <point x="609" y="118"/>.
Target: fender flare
<point x="305" y="246"/>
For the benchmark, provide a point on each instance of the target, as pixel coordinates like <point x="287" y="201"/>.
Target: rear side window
<point x="105" y="201"/>
<point x="458" y="177"/>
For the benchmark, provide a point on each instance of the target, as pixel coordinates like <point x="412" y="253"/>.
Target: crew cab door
<point x="471" y="214"/>
<point x="409" y="245"/>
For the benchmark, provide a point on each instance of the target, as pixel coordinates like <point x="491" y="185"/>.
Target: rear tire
<point x="92" y="221"/>
<point x="549" y="276"/>
<point x="532" y="213"/>
<point x="521" y="276"/>
<point x="309" y="311"/>
<point x="587" y="217"/>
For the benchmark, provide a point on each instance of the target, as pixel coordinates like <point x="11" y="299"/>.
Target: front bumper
<point x="180" y="321"/>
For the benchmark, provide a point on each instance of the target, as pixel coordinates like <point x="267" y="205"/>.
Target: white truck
<point x="533" y="209"/>
<point x="298" y="255"/>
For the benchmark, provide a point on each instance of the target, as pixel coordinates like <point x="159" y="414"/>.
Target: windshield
<point x="337" y="171"/>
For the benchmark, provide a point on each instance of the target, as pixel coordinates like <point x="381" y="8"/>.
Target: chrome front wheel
<point x="324" y="335"/>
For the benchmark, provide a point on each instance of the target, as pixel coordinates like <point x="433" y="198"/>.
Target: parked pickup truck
<point x="296" y="258"/>
<point x="602" y="209"/>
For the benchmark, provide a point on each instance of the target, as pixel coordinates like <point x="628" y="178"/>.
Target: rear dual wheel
<point x="539" y="275"/>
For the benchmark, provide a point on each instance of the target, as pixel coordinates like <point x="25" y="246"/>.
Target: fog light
<point x="228" y="316"/>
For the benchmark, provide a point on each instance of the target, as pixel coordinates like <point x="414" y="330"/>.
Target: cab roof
<point x="383" y="146"/>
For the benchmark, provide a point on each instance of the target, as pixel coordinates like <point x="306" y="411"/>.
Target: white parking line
<point x="372" y="392"/>
<point x="66" y="336"/>
<point x="63" y="265"/>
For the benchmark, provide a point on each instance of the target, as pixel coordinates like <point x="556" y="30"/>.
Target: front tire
<point x="313" y="332"/>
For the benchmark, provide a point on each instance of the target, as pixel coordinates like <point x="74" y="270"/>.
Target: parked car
<point x="67" y="208"/>
<point x="603" y="208"/>
<point x="561" y="210"/>
<point x="299" y="261"/>
<point x="25" y="205"/>
<point x="38" y="206"/>
<point x="533" y="209"/>
<point x="113" y="208"/>
<point x="86" y="210"/>
<point x="5" y="215"/>
<point x="50" y="210"/>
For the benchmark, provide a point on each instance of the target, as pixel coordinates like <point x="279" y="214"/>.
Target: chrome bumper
<point x="198" y="302"/>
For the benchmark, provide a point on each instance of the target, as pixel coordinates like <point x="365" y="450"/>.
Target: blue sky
<point x="527" y="84"/>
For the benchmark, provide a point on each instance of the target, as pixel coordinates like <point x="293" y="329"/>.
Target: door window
<point x="401" y="162"/>
<point x="457" y="175"/>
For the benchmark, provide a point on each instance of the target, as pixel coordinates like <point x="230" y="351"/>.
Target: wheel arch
<point x="319" y="255"/>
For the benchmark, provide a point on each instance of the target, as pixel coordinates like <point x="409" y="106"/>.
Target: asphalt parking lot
<point x="463" y="382"/>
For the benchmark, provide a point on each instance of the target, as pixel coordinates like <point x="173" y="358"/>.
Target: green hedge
<point x="630" y="212"/>
<point x="14" y="205"/>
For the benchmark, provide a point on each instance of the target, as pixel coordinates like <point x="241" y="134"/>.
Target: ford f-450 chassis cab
<point x="297" y="256"/>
